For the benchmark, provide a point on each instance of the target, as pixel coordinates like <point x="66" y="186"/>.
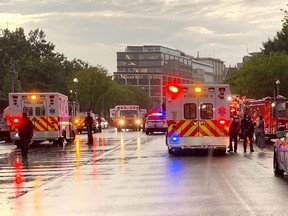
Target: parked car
<point x="155" y="122"/>
<point x="280" y="159"/>
<point x="104" y="123"/>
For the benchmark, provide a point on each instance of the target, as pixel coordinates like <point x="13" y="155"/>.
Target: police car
<point x="155" y="122"/>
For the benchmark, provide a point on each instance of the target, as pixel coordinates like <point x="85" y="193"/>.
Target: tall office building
<point x="152" y="67"/>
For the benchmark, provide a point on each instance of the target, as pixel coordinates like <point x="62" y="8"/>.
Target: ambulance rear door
<point x="198" y="111"/>
<point x="35" y="107"/>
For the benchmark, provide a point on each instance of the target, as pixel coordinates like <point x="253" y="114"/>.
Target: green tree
<point x="256" y="79"/>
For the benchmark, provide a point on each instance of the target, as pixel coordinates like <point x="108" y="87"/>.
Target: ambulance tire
<point x="72" y="137"/>
<point x="58" y="142"/>
<point x="61" y="141"/>
<point x="170" y="151"/>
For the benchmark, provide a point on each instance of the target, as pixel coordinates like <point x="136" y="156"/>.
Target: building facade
<point x="151" y="67"/>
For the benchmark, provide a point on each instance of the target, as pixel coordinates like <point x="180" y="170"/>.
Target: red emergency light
<point x="15" y="120"/>
<point x="174" y="91"/>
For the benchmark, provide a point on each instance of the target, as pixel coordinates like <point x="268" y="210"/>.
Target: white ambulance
<point x="198" y="117"/>
<point x="48" y="112"/>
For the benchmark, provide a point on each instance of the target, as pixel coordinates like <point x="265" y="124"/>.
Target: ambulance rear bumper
<point x="39" y="136"/>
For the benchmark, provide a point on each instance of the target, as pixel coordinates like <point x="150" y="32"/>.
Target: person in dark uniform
<point x="234" y="129"/>
<point x="250" y="133"/>
<point x="25" y="133"/>
<point x="99" y="120"/>
<point x="89" y="123"/>
<point x="247" y="129"/>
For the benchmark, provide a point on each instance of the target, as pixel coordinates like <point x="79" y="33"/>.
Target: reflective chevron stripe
<point x="186" y="128"/>
<point x="45" y="123"/>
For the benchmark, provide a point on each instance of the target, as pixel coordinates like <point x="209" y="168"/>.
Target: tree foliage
<point x="97" y="91"/>
<point x="257" y="77"/>
<point x="30" y="64"/>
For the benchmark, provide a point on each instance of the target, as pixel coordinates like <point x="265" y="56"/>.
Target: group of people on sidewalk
<point x="247" y="128"/>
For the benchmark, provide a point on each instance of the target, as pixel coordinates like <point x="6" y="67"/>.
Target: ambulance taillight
<point x="15" y="120"/>
<point x="222" y="122"/>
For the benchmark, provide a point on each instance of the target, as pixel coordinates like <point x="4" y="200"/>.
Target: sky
<point x="94" y="30"/>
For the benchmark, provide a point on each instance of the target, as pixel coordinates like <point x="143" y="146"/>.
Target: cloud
<point x="94" y="30"/>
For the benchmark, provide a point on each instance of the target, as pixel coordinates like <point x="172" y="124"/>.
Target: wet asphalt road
<point x="131" y="173"/>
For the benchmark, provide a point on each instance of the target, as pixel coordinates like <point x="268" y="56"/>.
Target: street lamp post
<point x="277" y="87"/>
<point x="75" y="80"/>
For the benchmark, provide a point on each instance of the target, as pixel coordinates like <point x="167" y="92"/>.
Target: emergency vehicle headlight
<point x="121" y="122"/>
<point x="76" y="120"/>
<point x="138" y="121"/>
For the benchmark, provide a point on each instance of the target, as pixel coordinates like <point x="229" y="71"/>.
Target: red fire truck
<point x="274" y="112"/>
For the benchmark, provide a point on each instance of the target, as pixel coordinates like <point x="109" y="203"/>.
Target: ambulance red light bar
<point x="173" y="89"/>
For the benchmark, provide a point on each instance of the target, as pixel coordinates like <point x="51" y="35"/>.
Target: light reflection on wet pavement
<point x="48" y="162"/>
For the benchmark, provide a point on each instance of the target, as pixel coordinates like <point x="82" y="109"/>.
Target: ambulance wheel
<point x="170" y="151"/>
<point x="276" y="169"/>
<point x="72" y="137"/>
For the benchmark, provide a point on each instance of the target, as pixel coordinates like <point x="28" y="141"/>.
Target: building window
<point x="143" y="80"/>
<point x="155" y="91"/>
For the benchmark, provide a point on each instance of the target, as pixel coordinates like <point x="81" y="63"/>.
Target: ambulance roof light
<point x="33" y="97"/>
<point x="198" y="89"/>
<point x="173" y="89"/>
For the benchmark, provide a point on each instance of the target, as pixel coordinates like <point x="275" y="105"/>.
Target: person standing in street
<point x="250" y="133"/>
<point x="245" y="124"/>
<point x="260" y="133"/>
<point x="89" y="123"/>
<point x="234" y="129"/>
<point x="25" y="133"/>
